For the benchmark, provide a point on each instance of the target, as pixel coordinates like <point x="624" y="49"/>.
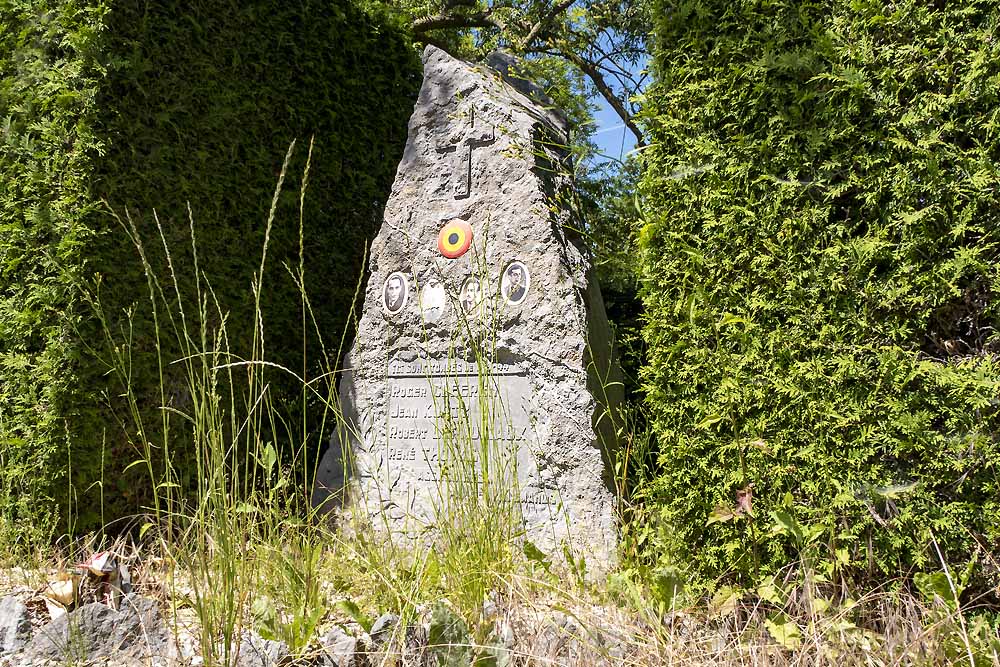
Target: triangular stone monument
<point x="481" y="370"/>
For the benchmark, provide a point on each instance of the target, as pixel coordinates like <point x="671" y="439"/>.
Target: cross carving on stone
<point x="461" y="144"/>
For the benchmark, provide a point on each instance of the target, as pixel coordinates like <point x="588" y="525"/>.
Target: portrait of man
<point x="515" y="282"/>
<point x="472" y="295"/>
<point x="395" y="293"/>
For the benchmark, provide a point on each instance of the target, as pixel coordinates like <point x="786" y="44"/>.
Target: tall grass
<point x="244" y="520"/>
<point x="468" y="545"/>
<point x="245" y="548"/>
<point x="478" y="495"/>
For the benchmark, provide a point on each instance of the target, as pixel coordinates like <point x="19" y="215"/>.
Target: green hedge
<point x="149" y="105"/>
<point x="821" y="271"/>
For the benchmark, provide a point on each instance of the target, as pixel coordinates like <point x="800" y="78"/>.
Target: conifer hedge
<point x="821" y="279"/>
<point x="151" y="105"/>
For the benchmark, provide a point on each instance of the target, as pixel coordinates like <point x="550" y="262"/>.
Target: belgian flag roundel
<point x="454" y="239"/>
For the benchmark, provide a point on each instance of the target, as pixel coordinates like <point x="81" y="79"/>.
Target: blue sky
<point x="612" y="137"/>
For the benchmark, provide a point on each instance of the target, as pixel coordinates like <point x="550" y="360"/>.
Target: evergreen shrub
<point x="108" y="105"/>
<point x="820" y="275"/>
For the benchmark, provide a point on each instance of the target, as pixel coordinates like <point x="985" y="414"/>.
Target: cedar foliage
<point x="114" y="104"/>
<point x="820" y="276"/>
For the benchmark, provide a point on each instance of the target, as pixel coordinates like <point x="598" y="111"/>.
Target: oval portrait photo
<point x="472" y="294"/>
<point x="515" y="282"/>
<point x="395" y="293"/>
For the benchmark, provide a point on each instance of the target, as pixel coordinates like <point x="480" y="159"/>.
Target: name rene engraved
<point x="401" y="454"/>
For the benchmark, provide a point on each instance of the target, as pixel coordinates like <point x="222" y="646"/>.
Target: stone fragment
<point x="339" y="649"/>
<point x="255" y="651"/>
<point x="484" y="379"/>
<point x="383" y="628"/>
<point x="15" y="626"/>
<point x="95" y="630"/>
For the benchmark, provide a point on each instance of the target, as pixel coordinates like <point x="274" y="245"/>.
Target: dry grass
<point x="539" y="618"/>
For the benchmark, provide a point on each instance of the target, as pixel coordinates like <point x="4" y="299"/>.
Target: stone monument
<point x="481" y="371"/>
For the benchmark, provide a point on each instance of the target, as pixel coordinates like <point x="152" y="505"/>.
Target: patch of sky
<point x="613" y="139"/>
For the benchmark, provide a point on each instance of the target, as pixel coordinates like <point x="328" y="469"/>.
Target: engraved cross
<point x="474" y="135"/>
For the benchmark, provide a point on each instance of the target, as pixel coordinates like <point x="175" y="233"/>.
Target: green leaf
<point x="709" y="421"/>
<point x="668" y="582"/>
<point x="448" y="637"/>
<point x="784" y="631"/>
<point x="269" y="457"/>
<point x="145" y="529"/>
<point x="770" y="593"/>
<point x="934" y="586"/>
<point x="351" y="608"/>
<point x="536" y="555"/>
<point x="721" y="514"/>
<point x="786" y="524"/>
<point x="729" y="319"/>
<point x="894" y="491"/>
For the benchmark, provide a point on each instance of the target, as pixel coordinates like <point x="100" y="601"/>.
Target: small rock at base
<point x="339" y="649"/>
<point x="96" y="630"/>
<point x="383" y="628"/>
<point x="15" y="627"/>
<point x="255" y="651"/>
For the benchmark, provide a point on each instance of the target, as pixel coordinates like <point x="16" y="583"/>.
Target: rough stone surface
<point x="339" y="649"/>
<point x="255" y="651"/>
<point x="136" y="631"/>
<point x="432" y="367"/>
<point x="15" y="626"/>
<point x="383" y="628"/>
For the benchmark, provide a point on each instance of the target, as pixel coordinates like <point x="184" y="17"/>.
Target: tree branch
<point x="606" y="92"/>
<point x="545" y="20"/>
<point x="549" y="43"/>
<point x="446" y="21"/>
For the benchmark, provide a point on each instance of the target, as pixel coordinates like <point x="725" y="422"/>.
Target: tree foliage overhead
<point x="603" y="40"/>
<point x="821" y="265"/>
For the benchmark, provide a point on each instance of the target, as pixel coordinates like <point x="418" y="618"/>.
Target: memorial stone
<point x="482" y="355"/>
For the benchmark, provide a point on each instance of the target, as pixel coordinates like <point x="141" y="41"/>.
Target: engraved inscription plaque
<point x="443" y="419"/>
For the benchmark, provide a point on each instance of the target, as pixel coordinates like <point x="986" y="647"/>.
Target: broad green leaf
<point x="354" y="611"/>
<point x="536" y="555"/>
<point x="720" y="514"/>
<point x="784" y="631"/>
<point x="934" y="585"/>
<point x="786" y="524"/>
<point x="709" y="421"/>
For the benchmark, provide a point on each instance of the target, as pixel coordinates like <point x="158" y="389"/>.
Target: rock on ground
<point x="15" y="626"/>
<point x="96" y="632"/>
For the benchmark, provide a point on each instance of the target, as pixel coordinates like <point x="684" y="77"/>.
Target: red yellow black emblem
<point x="455" y="238"/>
